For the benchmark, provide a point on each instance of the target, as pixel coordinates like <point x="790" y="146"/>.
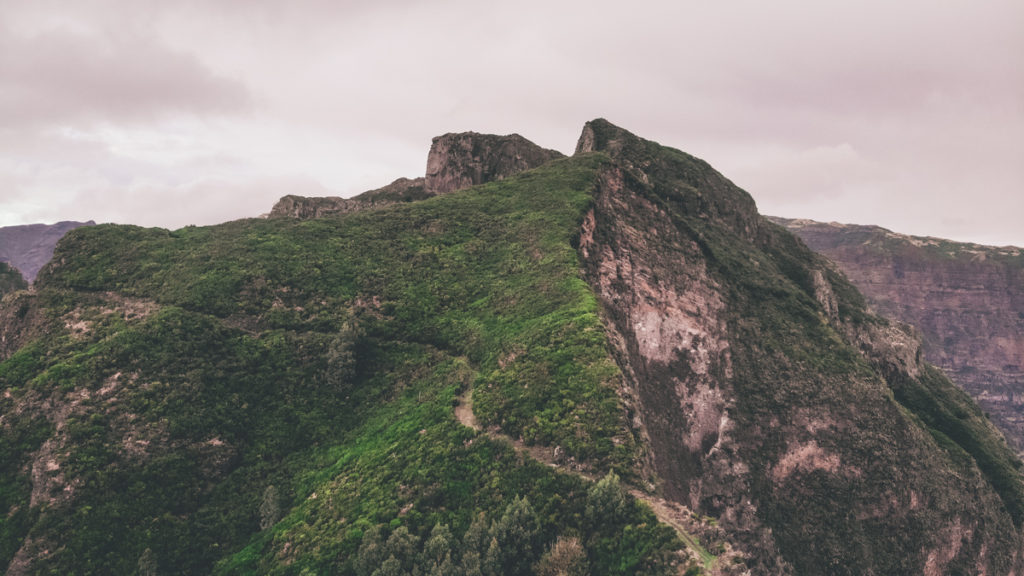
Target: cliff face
<point x="455" y="162"/>
<point x="765" y="391"/>
<point x="967" y="300"/>
<point x="28" y="248"/>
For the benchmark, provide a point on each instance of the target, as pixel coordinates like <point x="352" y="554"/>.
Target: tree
<point x="493" y="559"/>
<point x="371" y="551"/>
<point x="341" y="355"/>
<point x="437" y="547"/>
<point x="566" y="557"/>
<point x="476" y="537"/>
<point x="270" y="508"/>
<point x="516" y="532"/>
<point x="390" y="567"/>
<point x="147" y="563"/>
<point x="607" y="503"/>
<point x="402" y="546"/>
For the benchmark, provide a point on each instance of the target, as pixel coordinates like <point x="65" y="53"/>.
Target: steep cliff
<point x="967" y="300"/>
<point x="771" y="400"/>
<point x="28" y="248"/>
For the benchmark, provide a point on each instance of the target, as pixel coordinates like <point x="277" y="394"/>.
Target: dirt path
<point x="670" y="513"/>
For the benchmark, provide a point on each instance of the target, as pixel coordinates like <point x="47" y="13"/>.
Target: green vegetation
<point x="259" y="396"/>
<point x="10" y="279"/>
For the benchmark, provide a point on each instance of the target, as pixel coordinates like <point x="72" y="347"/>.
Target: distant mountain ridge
<point x="29" y="247"/>
<point x="966" y="299"/>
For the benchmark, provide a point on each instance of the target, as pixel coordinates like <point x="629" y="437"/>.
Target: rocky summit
<point x="523" y="363"/>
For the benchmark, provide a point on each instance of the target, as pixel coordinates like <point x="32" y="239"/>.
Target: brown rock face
<point x="967" y="301"/>
<point x="458" y="161"/>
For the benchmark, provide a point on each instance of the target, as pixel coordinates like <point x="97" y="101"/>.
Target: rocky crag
<point x="28" y="248"/>
<point x="278" y="396"/>
<point x="967" y="300"/>
<point x="455" y="161"/>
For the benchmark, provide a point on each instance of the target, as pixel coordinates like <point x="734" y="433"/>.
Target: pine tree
<point x="147" y="563"/>
<point x="270" y="508"/>
<point x="607" y="503"/>
<point x="516" y="533"/>
<point x="493" y="559"/>
<point x="438" y="545"/>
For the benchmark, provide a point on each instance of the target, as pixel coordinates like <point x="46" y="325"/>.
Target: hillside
<point x="279" y="396"/>
<point x="966" y="299"/>
<point x="28" y="248"/>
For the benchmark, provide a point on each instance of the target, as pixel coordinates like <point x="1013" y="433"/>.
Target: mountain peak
<point x="600" y="135"/>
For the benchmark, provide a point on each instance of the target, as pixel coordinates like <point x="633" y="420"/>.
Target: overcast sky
<point x="905" y="114"/>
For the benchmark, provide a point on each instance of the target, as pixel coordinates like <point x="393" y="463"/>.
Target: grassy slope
<point x="321" y="357"/>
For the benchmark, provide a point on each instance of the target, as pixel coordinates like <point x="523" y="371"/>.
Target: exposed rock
<point x="967" y="300"/>
<point x="28" y="248"/>
<point x="738" y="347"/>
<point x="458" y="161"/>
<point x="401" y="190"/>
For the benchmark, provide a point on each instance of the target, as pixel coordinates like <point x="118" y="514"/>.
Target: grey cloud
<point x="61" y="76"/>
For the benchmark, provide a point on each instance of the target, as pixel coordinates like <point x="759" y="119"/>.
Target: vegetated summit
<point x="648" y="377"/>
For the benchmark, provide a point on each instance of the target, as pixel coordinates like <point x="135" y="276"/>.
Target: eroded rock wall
<point x="967" y="301"/>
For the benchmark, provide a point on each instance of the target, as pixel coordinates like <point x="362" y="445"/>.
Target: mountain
<point x="966" y="299"/>
<point x="28" y="248"/>
<point x="601" y="364"/>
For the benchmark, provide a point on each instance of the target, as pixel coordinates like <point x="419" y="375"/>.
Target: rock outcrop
<point x="967" y="301"/>
<point x="306" y="207"/>
<point x="455" y="161"/>
<point x="29" y="247"/>
<point x="458" y="161"/>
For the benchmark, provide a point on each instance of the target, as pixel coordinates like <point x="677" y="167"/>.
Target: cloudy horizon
<point x="907" y="116"/>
